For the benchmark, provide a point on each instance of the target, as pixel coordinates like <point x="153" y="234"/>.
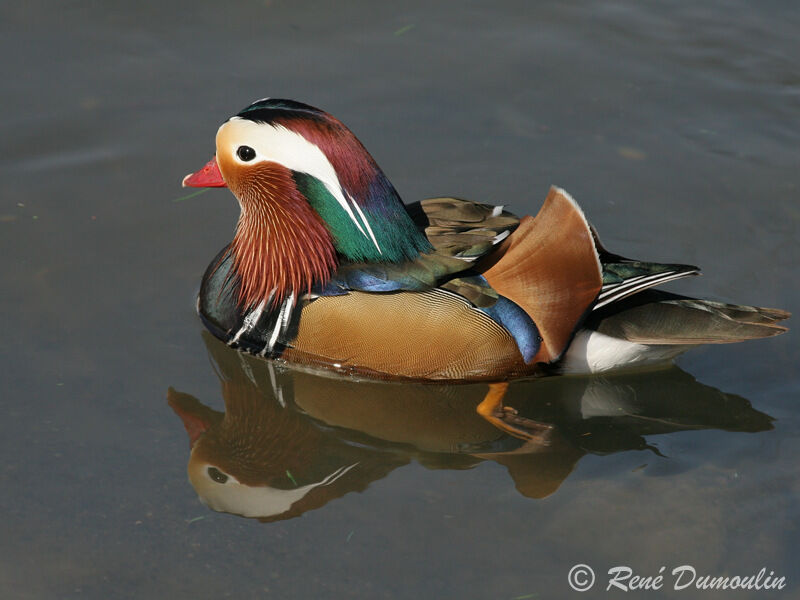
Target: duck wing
<point x="551" y="269"/>
<point x="461" y="228"/>
<point x="460" y="231"/>
<point x="623" y="277"/>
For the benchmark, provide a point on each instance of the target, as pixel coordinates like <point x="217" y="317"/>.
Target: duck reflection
<point x="291" y="441"/>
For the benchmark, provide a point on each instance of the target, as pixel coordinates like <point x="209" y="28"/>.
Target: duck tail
<point x="550" y="267"/>
<point x="654" y="317"/>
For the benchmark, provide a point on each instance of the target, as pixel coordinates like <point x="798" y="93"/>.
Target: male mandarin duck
<point x="328" y="268"/>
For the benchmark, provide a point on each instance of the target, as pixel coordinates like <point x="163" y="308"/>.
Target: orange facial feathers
<point x="281" y="246"/>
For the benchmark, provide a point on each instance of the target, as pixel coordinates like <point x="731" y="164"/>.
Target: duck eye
<point x="246" y="153"/>
<point x="217" y="475"/>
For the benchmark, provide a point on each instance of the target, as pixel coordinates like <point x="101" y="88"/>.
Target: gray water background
<point x="676" y="125"/>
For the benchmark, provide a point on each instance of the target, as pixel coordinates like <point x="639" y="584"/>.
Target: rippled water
<point x="674" y="125"/>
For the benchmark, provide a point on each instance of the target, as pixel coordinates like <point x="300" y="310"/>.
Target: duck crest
<point x="358" y="205"/>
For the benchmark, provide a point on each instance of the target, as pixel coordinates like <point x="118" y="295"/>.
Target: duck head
<point x="260" y="460"/>
<point x="310" y="196"/>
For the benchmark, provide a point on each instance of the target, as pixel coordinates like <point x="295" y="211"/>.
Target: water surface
<point x="676" y="128"/>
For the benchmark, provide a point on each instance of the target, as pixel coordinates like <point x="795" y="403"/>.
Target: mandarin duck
<point x="328" y="268"/>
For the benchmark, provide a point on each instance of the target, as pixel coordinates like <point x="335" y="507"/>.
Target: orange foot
<point x="506" y="418"/>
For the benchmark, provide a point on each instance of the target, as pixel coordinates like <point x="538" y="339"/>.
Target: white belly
<point x="593" y="352"/>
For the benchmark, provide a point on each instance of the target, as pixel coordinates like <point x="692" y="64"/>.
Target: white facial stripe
<point x="278" y="144"/>
<point x="253" y="501"/>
